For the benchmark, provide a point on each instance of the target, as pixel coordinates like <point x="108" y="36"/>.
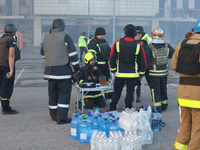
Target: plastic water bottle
<point x="110" y="117"/>
<point x="156" y="121"/>
<point x="97" y="141"/>
<point x="120" y="129"/>
<point x="105" y="126"/>
<point x="90" y="118"/>
<point x="100" y="118"/>
<point x="114" y="126"/>
<point x="96" y="111"/>
<point x="76" y="113"/>
<point x="102" y="114"/>
<point x="95" y="126"/>
<point x="75" y="127"/>
<point x="85" y="131"/>
<point x="81" y="116"/>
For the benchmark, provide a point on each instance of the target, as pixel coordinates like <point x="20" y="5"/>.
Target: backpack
<point x="188" y="59"/>
<point x="160" y="56"/>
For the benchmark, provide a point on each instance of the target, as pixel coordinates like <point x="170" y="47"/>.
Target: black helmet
<point x="10" y="28"/>
<point x="130" y="30"/>
<point x="100" y="31"/>
<point x="83" y="33"/>
<point x="58" y="23"/>
<point x="139" y="29"/>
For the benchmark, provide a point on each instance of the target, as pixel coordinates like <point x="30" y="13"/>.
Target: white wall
<point x="2" y="2"/>
<point x="97" y="7"/>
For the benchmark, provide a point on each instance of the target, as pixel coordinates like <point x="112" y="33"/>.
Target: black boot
<point x="9" y="111"/>
<point x="138" y="93"/>
<point x="164" y="107"/>
<point x="159" y="108"/>
<point x="68" y="120"/>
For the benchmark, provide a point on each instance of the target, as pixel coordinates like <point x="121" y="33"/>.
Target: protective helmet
<point x="58" y="23"/>
<point x="139" y="29"/>
<point x="100" y="31"/>
<point x="89" y="56"/>
<point x="157" y="33"/>
<point x="197" y="26"/>
<point x="130" y="30"/>
<point x="10" y="28"/>
<point x="83" y="33"/>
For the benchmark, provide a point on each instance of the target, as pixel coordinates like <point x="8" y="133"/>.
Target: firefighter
<point x="145" y="40"/>
<point x="82" y="44"/>
<point x="99" y="46"/>
<point x="59" y="50"/>
<point x="158" y="69"/>
<point x="188" y="96"/>
<point x="130" y="57"/>
<point x="91" y="73"/>
<point x="8" y="47"/>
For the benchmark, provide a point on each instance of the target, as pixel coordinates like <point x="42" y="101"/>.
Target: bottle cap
<point x="76" y="115"/>
<point x="113" y="120"/>
<point x="80" y="113"/>
<point x="96" y="108"/>
<point x="84" y="118"/>
<point x="96" y="117"/>
<point x="89" y="114"/>
<point x="101" y="111"/>
<point x="76" y="112"/>
<point x="105" y="119"/>
<point x="99" y="115"/>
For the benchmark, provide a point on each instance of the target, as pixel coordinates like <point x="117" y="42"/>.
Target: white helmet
<point x="157" y="33"/>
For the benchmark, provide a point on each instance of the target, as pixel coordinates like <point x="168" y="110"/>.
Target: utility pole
<point x="113" y="21"/>
<point x="88" y="18"/>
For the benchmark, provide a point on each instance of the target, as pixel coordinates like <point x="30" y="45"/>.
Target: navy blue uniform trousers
<point x="118" y="87"/>
<point x="59" y="97"/>
<point x="6" y="87"/>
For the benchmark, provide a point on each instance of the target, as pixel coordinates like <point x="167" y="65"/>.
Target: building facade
<point x="33" y="18"/>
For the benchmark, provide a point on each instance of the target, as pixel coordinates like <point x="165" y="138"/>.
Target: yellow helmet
<point x="89" y="56"/>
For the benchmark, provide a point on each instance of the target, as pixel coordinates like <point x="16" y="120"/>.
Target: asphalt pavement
<point x="33" y="129"/>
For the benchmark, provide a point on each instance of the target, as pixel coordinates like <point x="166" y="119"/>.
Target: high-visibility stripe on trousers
<point x="6" y="87"/>
<point x="59" y="98"/>
<point x="158" y="86"/>
<point x="189" y="129"/>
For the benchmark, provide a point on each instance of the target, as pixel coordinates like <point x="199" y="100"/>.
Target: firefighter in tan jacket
<point x="188" y="99"/>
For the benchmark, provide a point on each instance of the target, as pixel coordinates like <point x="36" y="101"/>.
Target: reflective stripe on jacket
<point x="128" y="70"/>
<point x="187" y="95"/>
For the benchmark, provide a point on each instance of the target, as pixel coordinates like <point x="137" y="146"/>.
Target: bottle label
<point x="73" y="132"/>
<point x="83" y="136"/>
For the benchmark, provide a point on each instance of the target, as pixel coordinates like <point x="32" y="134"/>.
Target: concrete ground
<point x="32" y="128"/>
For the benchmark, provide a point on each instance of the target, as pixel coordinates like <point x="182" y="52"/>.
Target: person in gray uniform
<point x="59" y="51"/>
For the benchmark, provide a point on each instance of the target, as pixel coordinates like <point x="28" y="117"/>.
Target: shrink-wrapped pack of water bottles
<point x="129" y="129"/>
